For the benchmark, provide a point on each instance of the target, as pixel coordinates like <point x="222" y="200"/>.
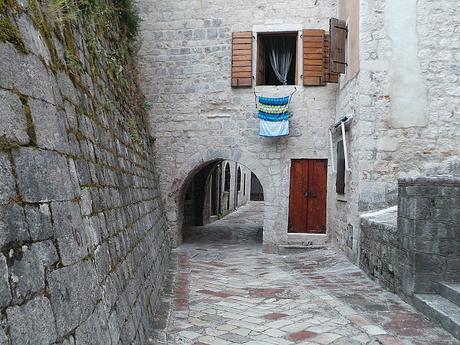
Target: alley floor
<point x="221" y="289"/>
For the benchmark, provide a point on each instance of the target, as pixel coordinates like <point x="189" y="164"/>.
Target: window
<point x="340" y="178"/>
<point x="227" y="178"/>
<point x="238" y="182"/>
<point x="244" y="185"/>
<point x="281" y="60"/>
<point x="277" y="57"/>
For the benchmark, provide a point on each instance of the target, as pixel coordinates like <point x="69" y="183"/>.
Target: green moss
<point x="30" y="123"/>
<point x="10" y="33"/>
<point x="129" y="17"/>
<point x="6" y="145"/>
<point x="134" y="130"/>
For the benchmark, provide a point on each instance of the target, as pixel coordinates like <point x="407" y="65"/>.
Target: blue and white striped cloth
<point x="273" y="115"/>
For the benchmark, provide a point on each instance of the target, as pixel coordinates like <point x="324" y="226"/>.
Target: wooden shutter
<point x="340" y="178"/>
<point x="242" y="59"/>
<point x="338" y="31"/>
<point x="313" y="57"/>
<point x="329" y="77"/>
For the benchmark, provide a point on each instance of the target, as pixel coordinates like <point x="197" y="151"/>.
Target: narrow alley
<point x="221" y="289"/>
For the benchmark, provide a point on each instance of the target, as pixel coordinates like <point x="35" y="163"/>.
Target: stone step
<point x="451" y="291"/>
<point x="441" y="310"/>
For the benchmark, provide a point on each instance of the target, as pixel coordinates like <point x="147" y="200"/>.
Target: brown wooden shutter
<point x="340" y="178"/>
<point x="329" y="77"/>
<point x="242" y="59"/>
<point x="338" y="31"/>
<point x="313" y="57"/>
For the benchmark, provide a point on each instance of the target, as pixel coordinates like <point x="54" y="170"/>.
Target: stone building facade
<point x="400" y="89"/>
<point x="197" y="117"/>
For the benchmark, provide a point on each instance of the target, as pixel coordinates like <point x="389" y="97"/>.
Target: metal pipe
<point x="332" y="150"/>
<point x="345" y="153"/>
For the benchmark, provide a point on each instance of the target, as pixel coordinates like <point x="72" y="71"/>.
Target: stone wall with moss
<point x="83" y="242"/>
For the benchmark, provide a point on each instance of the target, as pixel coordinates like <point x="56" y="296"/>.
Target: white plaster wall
<point x="185" y="62"/>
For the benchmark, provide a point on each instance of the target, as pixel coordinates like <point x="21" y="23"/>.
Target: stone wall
<point x="197" y="117"/>
<point x="380" y="246"/>
<point x="410" y="248"/>
<point x="82" y="233"/>
<point x="429" y="233"/>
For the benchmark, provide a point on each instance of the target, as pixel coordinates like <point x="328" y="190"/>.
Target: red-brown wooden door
<point x="307" y="201"/>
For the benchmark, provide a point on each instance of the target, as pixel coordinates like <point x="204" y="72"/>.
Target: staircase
<point x="443" y="307"/>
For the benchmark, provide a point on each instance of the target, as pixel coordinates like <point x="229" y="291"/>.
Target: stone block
<point x="428" y="263"/>
<point x="69" y="231"/>
<point x="32" y="37"/>
<point x="67" y="88"/>
<point x="25" y="73"/>
<point x="8" y="184"/>
<point x="38" y="218"/>
<point x="5" y="292"/>
<point x="73" y="294"/>
<point x="43" y="175"/>
<point x="27" y="268"/>
<point x="95" y="330"/>
<point x="32" y="323"/>
<point x="102" y="261"/>
<point x="50" y="131"/>
<point x="83" y="172"/>
<point x="14" y="122"/>
<point x="13" y="227"/>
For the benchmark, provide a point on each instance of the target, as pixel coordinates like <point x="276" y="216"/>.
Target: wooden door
<point x="307" y="201"/>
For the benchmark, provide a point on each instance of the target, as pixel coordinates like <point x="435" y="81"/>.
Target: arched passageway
<point x="217" y="204"/>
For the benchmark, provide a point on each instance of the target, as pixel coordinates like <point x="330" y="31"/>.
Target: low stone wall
<point x="82" y="233"/>
<point x="424" y="247"/>
<point x="429" y="232"/>
<point x="379" y="255"/>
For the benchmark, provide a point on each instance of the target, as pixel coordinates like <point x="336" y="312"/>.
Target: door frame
<point x="326" y="161"/>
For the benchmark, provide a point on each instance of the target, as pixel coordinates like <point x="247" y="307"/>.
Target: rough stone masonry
<point x="82" y="233"/>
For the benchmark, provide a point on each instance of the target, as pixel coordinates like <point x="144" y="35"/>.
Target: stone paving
<point x="221" y="289"/>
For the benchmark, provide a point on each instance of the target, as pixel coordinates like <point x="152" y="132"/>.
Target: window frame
<point x="280" y="29"/>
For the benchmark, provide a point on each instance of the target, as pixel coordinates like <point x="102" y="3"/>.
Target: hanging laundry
<point x="273" y="115"/>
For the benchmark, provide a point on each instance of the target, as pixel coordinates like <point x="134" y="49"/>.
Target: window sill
<point x="342" y="197"/>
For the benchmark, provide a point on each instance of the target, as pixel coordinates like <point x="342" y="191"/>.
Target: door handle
<point x="309" y="194"/>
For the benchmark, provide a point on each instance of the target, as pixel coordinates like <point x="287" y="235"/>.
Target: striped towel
<point x="274" y="116"/>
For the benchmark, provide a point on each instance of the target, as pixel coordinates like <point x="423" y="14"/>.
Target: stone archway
<point x="195" y="163"/>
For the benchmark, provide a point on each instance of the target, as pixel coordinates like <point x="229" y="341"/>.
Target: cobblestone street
<point x="221" y="289"/>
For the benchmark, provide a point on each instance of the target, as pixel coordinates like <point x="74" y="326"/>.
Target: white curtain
<point x="280" y="58"/>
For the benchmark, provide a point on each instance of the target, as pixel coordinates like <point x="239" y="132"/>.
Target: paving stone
<point x="73" y="294"/>
<point x="43" y="175"/>
<point x="13" y="227"/>
<point x="70" y="234"/>
<point x="25" y="73"/>
<point x="5" y="293"/>
<point x="4" y="340"/>
<point x="50" y="131"/>
<point x="8" y="185"/>
<point x="39" y="220"/>
<point x="14" y="123"/>
<point x="312" y="297"/>
<point x="32" y="323"/>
